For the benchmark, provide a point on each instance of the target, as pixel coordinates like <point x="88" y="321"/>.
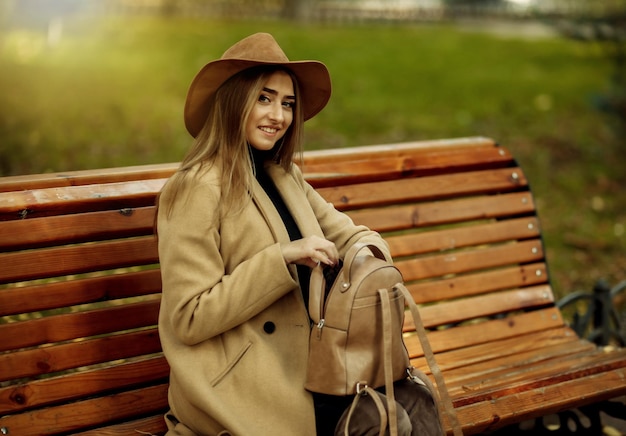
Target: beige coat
<point x="233" y="323"/>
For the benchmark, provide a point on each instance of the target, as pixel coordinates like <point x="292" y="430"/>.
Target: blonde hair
<point x="222" y="140"/>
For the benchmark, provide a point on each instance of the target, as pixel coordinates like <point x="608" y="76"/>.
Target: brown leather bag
<point x="342" y="348"/>
<point x="357" y="340"/>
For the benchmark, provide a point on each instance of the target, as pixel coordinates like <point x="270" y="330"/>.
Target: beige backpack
<point x="356" y="343"/>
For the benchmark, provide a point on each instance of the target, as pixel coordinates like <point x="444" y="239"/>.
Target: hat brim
<point x="313" y="80"/>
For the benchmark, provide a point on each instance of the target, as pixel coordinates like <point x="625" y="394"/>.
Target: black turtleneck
<point x="259" y="159"/>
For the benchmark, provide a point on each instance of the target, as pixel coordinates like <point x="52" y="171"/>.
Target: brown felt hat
<point x="255" y="50"/>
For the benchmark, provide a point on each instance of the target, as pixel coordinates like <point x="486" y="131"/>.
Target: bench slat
<point x="79" y="291"/>
<point x="59" y="261"/>
<point x="451" y="238"/>
<point x="487" y="331"/>
<point x="154" y="425"/>
<point x="519" y="406"/>
<point x="531" y="371"/>
<point x="74" y="199"/>
<point x="162" y="171"/>
<point x="87" y="177"/>
<point x="471" y="260"/>
<point x="58" y="328"/>
<point x="483" y="353"/>
<point x="365" y="152"/>
<point x="73" y="386"/>
<point x="89" y="413"/>
<point x="334" y="173"/>
<point x="444" y="212"/>
<point x="425" y="188"/>
<point x="478" y="283"/>
<point x="469" y="379"/>
<point x="76" y="228"/>
<point x="457" y="311"/>
<point x="56" y="358"/>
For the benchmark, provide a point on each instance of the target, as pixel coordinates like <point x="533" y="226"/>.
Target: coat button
<point x="269" y="327"/>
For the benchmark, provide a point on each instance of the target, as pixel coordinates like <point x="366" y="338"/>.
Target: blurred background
<point x="101" y="83"/>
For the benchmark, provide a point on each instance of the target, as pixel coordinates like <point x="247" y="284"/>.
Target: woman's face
<point x="272" y="113"/>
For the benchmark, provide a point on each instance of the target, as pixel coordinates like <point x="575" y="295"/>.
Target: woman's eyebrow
<point x="274" y="92"/>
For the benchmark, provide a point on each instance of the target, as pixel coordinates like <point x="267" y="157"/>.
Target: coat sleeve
<point x="199" y="299"/>
<point x="337" y="226"/>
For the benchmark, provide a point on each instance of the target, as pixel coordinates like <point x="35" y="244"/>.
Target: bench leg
<point x="601" y="323"/>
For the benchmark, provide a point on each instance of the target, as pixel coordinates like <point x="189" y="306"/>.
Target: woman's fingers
<point x="324" y="251"/>
<point x="310" y="251"/>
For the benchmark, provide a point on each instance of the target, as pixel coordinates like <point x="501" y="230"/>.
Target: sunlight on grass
<point x="116" y="88"/>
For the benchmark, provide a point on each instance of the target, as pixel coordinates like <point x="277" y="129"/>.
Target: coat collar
<point x="295" y="199"/>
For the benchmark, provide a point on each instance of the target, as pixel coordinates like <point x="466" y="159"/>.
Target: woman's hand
<point x="310" y="251"/>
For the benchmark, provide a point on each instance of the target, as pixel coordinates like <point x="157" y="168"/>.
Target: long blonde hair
<point x="222" y="140"/>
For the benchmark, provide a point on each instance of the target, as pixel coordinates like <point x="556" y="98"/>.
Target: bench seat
<point x="80" y="288"/>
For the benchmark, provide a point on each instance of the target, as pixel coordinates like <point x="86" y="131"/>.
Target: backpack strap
<point x="387" y="366"/>
<point x="389" y="416"/>
<point x="432" y="363"/>
<point x="345" y="275"/>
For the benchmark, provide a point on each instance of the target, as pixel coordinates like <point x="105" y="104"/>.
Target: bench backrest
<point x="80" y="284"/>
<point x="79" y="301"/>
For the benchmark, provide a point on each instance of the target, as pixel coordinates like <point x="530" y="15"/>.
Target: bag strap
<point x="345" y="275"/>
<point x="357" y="248"/>
<point x="367" y="390"/>
<point x="316" y="289"/>
<point x="390" y="415"/>
<point x="432" y="363"/>
<point x="387" y="350"/>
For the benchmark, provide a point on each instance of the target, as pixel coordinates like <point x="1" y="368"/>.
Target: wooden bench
<point x="79" y="293"/>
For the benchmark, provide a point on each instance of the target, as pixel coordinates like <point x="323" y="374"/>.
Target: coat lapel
<point x="298" y="206"/>
<point x="269" y="212"/>
<point x="295" y="199"/>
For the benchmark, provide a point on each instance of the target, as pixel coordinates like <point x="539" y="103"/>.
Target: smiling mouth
<point x="268" y="130"/>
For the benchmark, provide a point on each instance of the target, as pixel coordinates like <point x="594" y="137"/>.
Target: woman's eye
<point x="264" y="98"/>
<point x="289" y="104"/>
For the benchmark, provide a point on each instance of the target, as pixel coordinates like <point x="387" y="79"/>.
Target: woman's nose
<point x="276" y="113"/>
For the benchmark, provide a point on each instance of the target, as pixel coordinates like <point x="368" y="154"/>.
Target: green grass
<point x="111" y="94"/>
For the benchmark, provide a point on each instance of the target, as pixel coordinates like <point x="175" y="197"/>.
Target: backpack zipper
<point x="320" y="325"/>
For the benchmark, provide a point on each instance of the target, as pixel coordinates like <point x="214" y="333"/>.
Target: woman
<point x="239" y="230"/>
